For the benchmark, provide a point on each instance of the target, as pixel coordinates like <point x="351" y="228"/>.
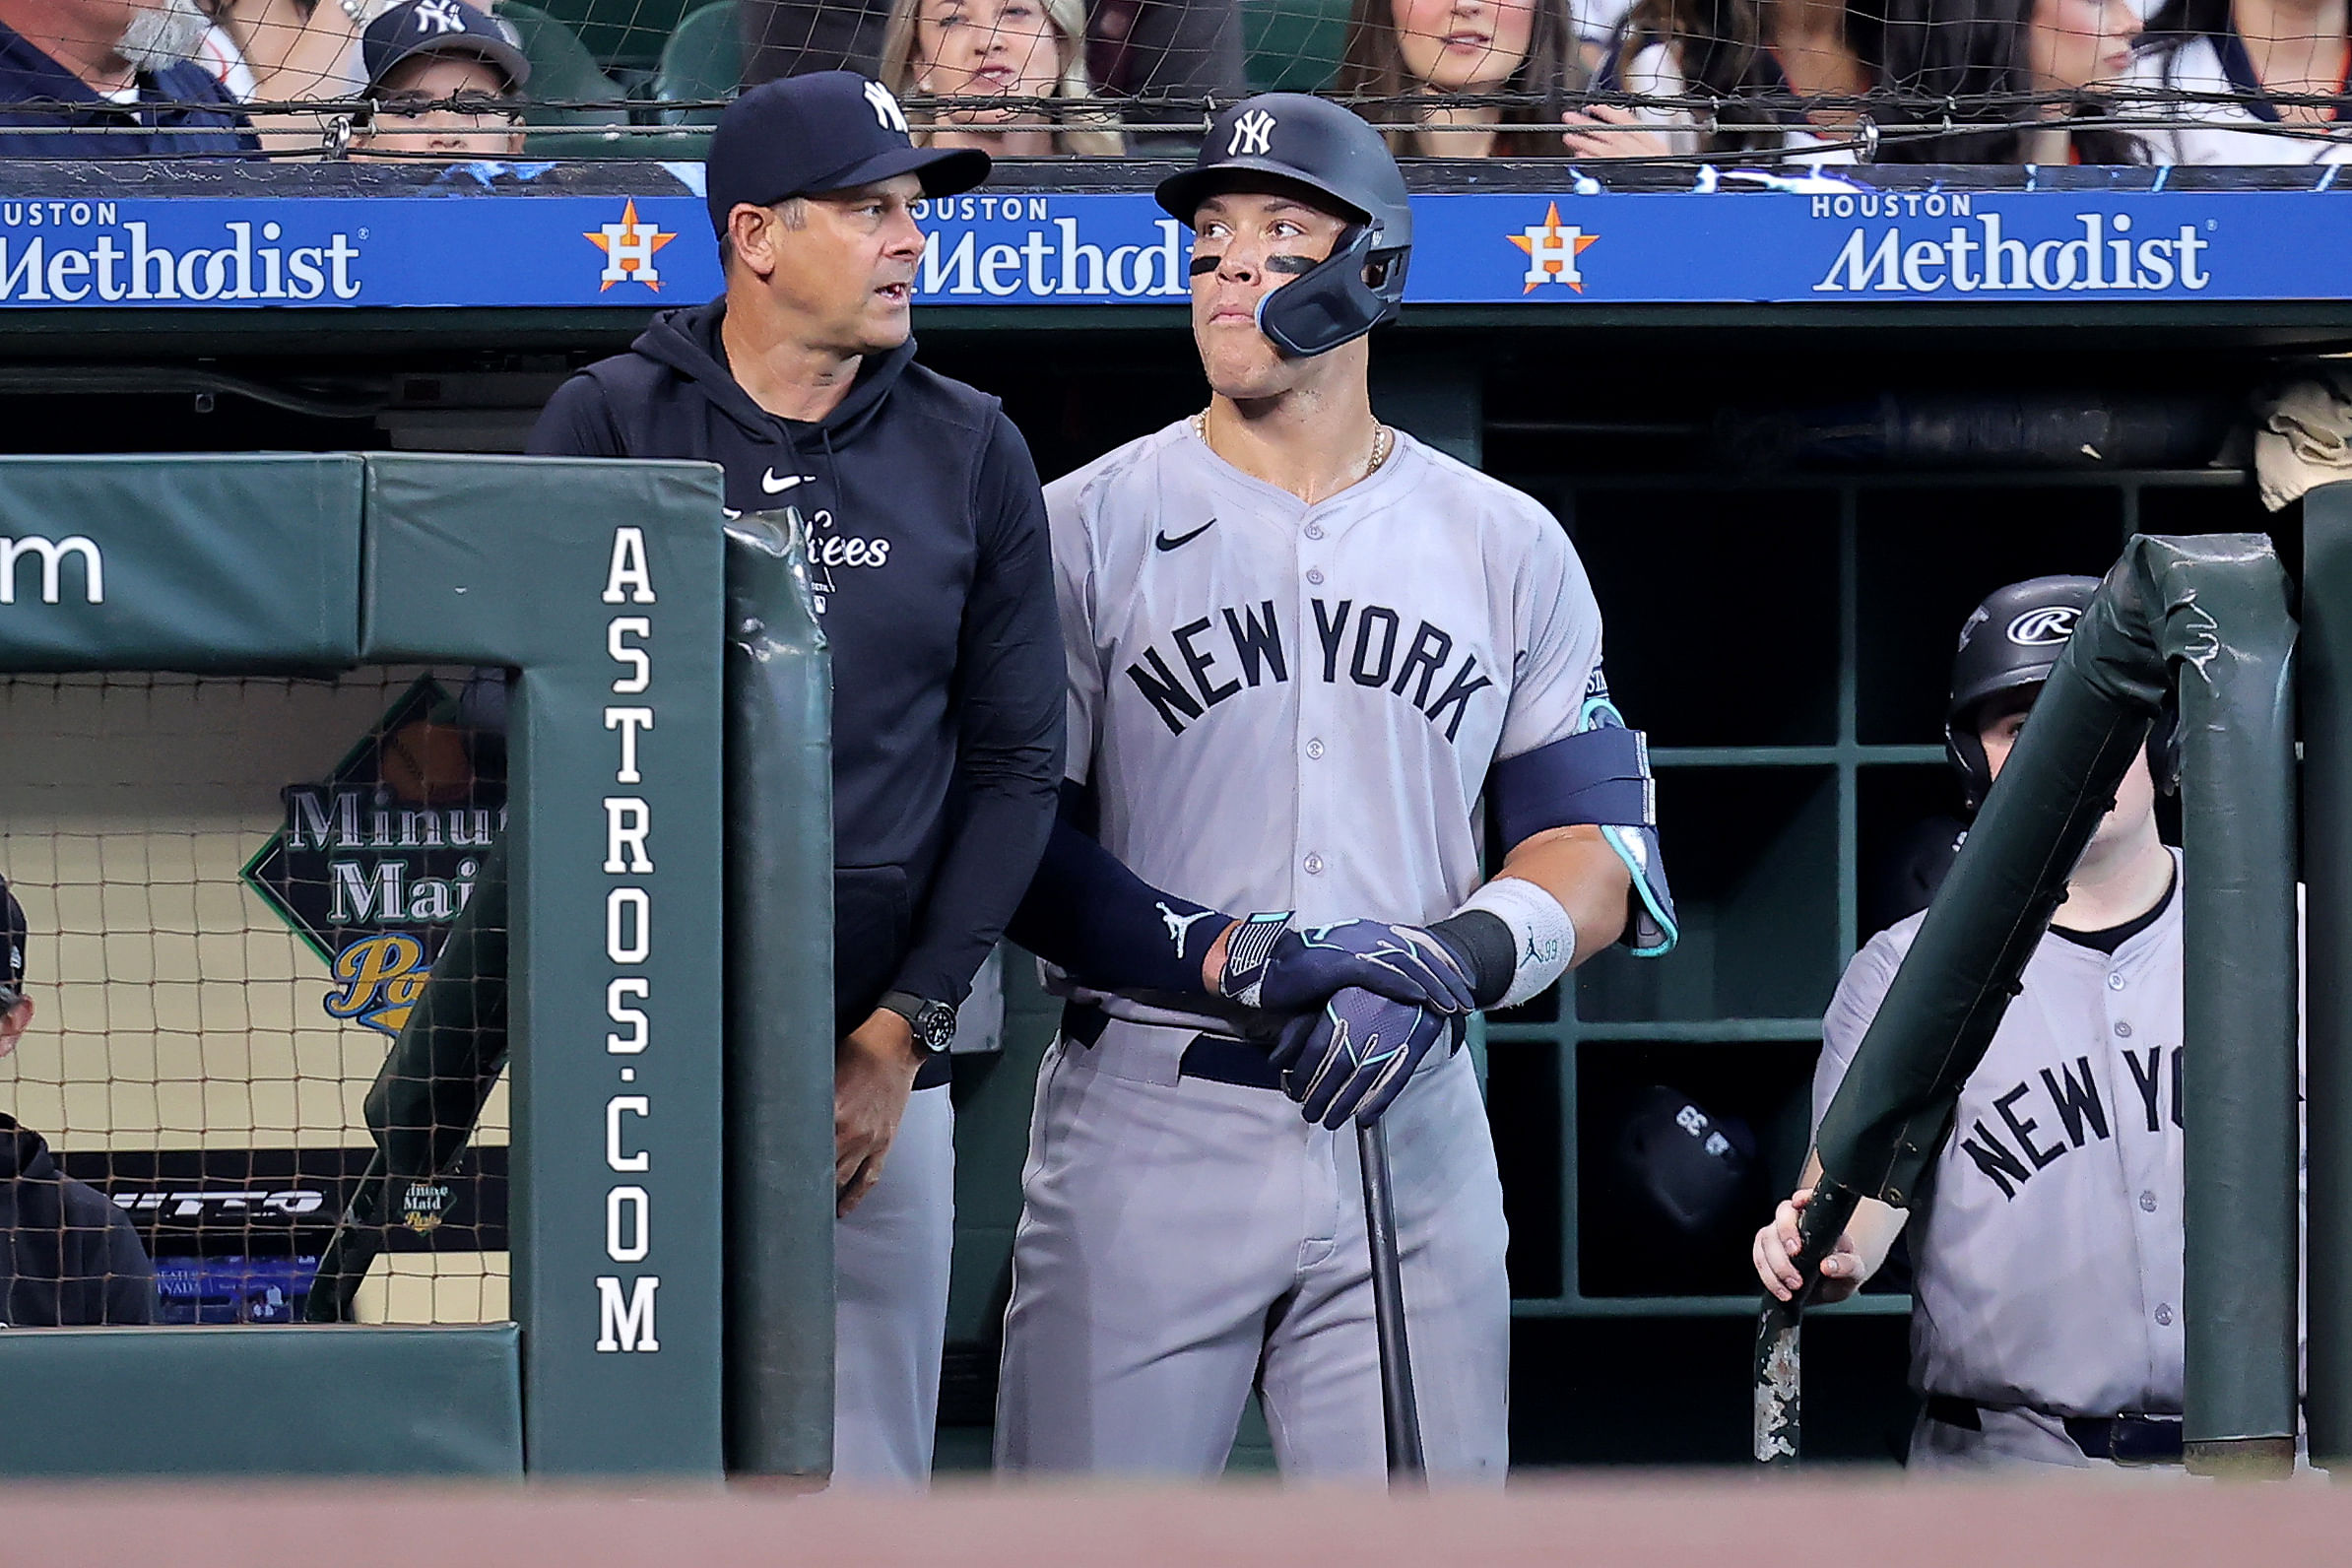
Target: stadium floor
<point x="1597" y="1522"/>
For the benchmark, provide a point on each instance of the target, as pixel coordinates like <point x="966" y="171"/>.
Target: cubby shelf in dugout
<point x="1798" y="751"/>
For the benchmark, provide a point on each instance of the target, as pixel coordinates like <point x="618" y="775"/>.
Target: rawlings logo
<point x="2045" y="628"/>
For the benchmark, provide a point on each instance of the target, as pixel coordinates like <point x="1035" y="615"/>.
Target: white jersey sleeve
<point x="1556" y="625"/>
<point x="1070" y="504"/>
<point x="1861" y="991"/>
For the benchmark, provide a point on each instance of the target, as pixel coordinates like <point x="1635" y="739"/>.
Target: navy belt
<point x="2124" y="1439"/>
<point x="1220" y="1059"/>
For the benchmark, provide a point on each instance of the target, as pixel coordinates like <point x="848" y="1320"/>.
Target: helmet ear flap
<point x="1968" y="759"/>
<point x="2163" y="748"/>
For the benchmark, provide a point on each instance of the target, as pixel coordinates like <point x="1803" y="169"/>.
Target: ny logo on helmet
<point x="1250" y="134"/>
<point x="2044" y="628"/>
<point x="885" y="108"/>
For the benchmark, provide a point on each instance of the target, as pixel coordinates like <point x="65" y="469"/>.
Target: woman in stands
<point x="1747" y="60"/>
<point x="996" y="49"/>
<point x="2021" y="73"/>
<point x="2257" y="51"/>
<point x="1521" y="55"/>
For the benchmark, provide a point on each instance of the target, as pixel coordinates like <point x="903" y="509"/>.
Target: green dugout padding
<point x="600" y="586"/>
<point x="244" y="1401"/>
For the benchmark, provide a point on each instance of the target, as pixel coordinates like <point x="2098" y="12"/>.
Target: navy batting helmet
<point x="1341" y="164"/>
<point x="2010" y="643"/>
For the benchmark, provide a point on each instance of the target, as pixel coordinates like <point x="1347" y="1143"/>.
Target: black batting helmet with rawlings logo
<point x="1279" y="140"/>
<point x="2011" y="642"/>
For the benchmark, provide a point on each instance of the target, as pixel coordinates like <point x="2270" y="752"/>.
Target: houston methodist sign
<point x="515" y="240"/>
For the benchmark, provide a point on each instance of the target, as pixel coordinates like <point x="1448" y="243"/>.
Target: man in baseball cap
<point x="443" y="77"/>
<point x="834" y="131"/>
<point x="927" y="551"/>
<point x="68" y="1257"/>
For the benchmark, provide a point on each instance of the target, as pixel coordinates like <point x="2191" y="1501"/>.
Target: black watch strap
<point x="933" y="1023"/>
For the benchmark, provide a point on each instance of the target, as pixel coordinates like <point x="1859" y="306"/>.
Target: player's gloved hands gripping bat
<point x="1270" y="965"/>
<point x="1353" y="1058"/>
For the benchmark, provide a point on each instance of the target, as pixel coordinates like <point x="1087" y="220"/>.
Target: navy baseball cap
<point x="828" y="130"/>
<point x="441" y="26"/>
<point x="11" y="938"/>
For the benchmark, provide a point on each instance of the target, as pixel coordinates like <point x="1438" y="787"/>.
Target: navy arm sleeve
<point x="1106" y="928"/>
<point x="1009" y="751"/>
<point x="576" y="423"/>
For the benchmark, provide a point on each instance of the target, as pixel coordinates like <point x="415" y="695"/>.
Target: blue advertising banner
<point x="1736" y="239"/>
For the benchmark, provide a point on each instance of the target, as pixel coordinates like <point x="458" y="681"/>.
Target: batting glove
<point x="1271" y="966"/>
<point x="1353" y="1058"/>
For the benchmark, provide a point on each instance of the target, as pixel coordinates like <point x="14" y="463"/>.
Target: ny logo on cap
<point x="1250" y="134"/>
<point x="439" y="16"/>
<point x="885" y="108"/>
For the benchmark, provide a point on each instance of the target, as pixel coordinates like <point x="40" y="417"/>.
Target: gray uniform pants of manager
<point x="1182" y="1241"/>
<point x="890" y="1258"/>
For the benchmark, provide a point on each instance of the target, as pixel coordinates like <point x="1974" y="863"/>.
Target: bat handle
<point x="1779" y="1362"/>
<point x="1399" y="1408"/>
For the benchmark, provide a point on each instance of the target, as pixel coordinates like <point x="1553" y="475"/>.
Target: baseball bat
<point x="1779" y="1361"/>
<point x="1400" y="1409"/>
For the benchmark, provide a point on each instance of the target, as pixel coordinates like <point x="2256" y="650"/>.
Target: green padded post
<point x="779" y="1357"/>
<point x="2232" y="637"/>
<point x="2326" y="657"/>
<point x="603" y="584"/>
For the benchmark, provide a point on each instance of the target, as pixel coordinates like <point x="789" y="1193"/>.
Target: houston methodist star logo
<point x="629" y="247"/>
<point x="1552" y="252"/>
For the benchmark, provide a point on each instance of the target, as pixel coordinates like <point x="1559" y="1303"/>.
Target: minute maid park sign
<point x="373" y="863"/>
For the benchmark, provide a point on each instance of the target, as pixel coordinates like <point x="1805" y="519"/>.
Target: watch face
<point x="938" y="1028"/>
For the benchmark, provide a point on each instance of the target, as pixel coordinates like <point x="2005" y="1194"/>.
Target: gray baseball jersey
<point x="2048" y="1257"/>
<point x="1279" y="706"/>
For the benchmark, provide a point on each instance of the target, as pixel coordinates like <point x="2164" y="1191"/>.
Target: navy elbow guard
<point x="1600" y="777"/>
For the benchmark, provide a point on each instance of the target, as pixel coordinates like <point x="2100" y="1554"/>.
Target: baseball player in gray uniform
<point x="2047" y="1325"/>
<point x="1308" y="659"/>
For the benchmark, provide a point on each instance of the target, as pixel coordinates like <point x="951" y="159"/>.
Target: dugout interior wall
<point x="184" y="639"/>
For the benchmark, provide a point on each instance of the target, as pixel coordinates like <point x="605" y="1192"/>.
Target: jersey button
<point x="2114" y="982"/>
<point x="1314" y="864"/>
<point x="2123" y="1029"/>
<point x="1315" y="574"/>
<point x="1315" y="749"/>
<point x="2163" y="1317"/>
<point x="1314" y="530"/>
<point x="2147" y="1202"/>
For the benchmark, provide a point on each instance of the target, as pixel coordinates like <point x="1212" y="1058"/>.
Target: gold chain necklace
<point x="1384" y="442"/>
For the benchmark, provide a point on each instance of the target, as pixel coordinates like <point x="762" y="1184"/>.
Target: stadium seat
<point x="623" y="34"/>
<point x="703" y="59"/>
<point x="563" y="71"/>
<point x="1292" y="45"/>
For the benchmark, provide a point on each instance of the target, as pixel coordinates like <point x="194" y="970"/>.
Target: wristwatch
<point x="933" y="1023"/>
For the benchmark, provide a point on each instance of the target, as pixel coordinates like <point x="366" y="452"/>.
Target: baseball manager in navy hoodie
<point x="928" y="553"/>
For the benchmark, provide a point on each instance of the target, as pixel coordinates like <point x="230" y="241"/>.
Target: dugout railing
<point x="598" y="588"/>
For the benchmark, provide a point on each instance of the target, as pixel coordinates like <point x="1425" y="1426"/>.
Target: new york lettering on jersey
<point x="2048" y="1254"/>
<point x="1361" y="643"/>
<point x="1355" y="666"/>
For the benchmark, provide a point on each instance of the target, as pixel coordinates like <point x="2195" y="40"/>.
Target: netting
<point x="1796" y="81"/>
<point x="233" y="889"/>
